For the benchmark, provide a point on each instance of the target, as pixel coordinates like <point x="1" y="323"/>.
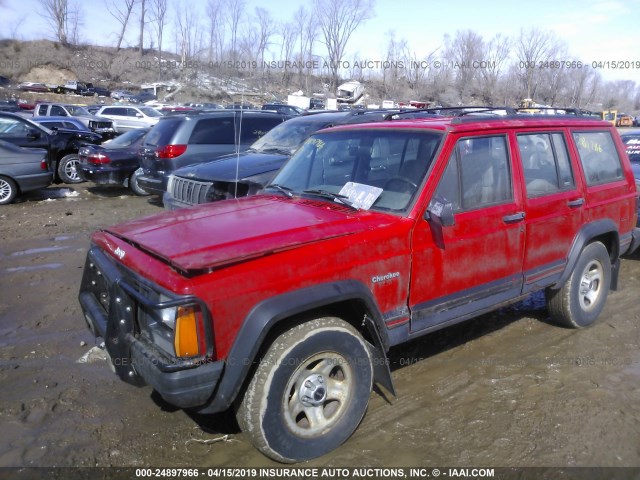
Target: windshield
<point x="150" y="112"/>
<point x="78" y="111"/>
<point x="288" y="136"/>
<point x="380" y="169"/>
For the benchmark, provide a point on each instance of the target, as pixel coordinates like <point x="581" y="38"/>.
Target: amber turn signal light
<point x="186" y="337"/>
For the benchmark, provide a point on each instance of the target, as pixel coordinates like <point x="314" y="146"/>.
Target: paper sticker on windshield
<point x="360" y="195"/>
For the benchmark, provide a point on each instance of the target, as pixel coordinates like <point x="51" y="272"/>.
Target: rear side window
<point x="478" y="174"/>
<point x="599" y="157"/>
<point x="112" y="111"/>
<point x="254" y="128"/>
<point x="162" y="133"/>
<point x="546" y="163"/>
<point x="42" y="110"/>
<point x="214" y="131"/>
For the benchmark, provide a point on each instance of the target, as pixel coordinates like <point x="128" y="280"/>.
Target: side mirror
<point x="440" y="211"/>
<point x="138" y="115"/>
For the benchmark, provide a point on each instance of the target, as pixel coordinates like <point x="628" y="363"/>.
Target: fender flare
<point x="267" y="314"/>
<point x="585" y="235"/>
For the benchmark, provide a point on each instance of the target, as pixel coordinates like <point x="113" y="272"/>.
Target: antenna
<point x="235" y="184"/>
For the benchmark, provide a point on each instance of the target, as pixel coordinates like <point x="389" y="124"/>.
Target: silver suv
<point x="101" y="125"/>
<point x="128" y="117"/>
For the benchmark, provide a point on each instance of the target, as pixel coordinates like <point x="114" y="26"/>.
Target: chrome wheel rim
<point x="317" y="394"/>
<point x="591" y="285"/>
<point x="5" y="190"/>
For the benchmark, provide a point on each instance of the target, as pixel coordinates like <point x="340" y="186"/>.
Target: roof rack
<point x="473" y="113"/>
<point x="451" y="111"/>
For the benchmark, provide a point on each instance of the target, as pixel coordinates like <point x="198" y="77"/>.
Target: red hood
<point x="222" y="233"/>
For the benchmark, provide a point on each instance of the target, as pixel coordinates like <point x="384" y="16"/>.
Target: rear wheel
<point x="68" y="169"/>
<point x="581" y="299"/>
<point x="133" y="183"/>
<point x="8" y="190"/>
<point x="309" y="392"/>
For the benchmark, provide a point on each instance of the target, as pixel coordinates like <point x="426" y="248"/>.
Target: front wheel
<point x="309" y="392"/>
<point x="581" y="299"/>
<point x="68" y="169"/>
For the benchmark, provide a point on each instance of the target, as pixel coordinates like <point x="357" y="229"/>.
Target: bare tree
<point x="235" y="10"/>
<point x="159" y="12"/>
<point x="532" y="47"/>
<point x="143" y="12"/>
<point x="216" y="30"/>
<point x="186" y="25"/>
<point x="495" y="55"/>
<point x="63" y="18"/>
<point x="287" y="44"/>
<point x="121" y="11"/>
<point x="266" y="29"/>
<point x="338" y="20"/>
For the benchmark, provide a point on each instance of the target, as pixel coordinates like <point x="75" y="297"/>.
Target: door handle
<point x="515" y="218"/>
<point x="576" y="203"/>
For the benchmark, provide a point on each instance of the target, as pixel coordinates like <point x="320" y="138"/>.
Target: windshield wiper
<point x="281" y="150"/>
<point x="343" y="199"/>
<point x="286" y="190"/>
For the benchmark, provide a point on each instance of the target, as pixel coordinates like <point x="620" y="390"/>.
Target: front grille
<point x="93" y="125"/>
<point x="188" y="191"/>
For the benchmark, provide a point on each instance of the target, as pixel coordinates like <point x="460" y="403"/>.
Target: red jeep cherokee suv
<point x="283" y="305"/>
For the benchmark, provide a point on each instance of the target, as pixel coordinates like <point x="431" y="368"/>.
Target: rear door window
<point x="545" y="162"/>
<point x="599" y="157"/>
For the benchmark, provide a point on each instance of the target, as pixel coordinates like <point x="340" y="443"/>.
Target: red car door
<point x="554" y="205"/>
<point x="462" y="269"/>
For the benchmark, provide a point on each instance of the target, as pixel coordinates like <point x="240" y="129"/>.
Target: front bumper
<point x="152" y="185"/>
<point x="110" y="300"/>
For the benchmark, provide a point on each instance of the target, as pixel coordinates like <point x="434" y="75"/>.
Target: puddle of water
<point x="49" y="266"/>
<point x="31" y="251"/>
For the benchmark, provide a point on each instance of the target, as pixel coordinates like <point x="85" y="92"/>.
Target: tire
<point x="581" y="299"/>
<point x="317" y="372"/>
<point x="68" y="169"/>
<point x="8" y="190"/>
<point x="133" y="184"/>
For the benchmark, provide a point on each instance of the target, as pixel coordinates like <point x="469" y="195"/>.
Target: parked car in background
<point x="97" y="91"/>
<point x="234" y="176"/>
<point x="291" y="110"/>
<point x="66" y="123"/>
<point x="143" y="97"/>
<point x="95" y="123"/>
<point x="122" y="94"/>
<point x="22" y="170"/>
<point x="197" y="137"/>
<point x="62" y="145"/>
<point x="631" y="140"/>
<point x="624" y="120"/>
<point x="127" y="117"/>
<point x="115" y="162"/>
<point x="33" y="87"/>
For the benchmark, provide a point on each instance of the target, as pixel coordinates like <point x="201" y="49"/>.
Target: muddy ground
<point x="508" y="389"/>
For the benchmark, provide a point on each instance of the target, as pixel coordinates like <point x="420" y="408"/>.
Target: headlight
<point x="178" y="331"/>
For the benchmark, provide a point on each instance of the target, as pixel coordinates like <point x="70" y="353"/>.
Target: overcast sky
<point x="594" y="30"/>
